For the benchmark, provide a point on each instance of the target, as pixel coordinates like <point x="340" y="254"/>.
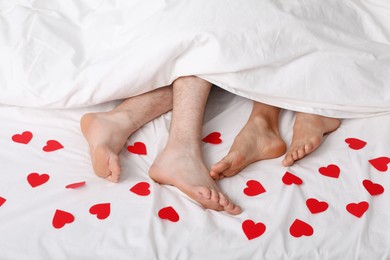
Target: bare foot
<point x="309" y="132"/>
<point x="106" y="134"/>
<point x="256" y="141"/>
<point x="184" y="169"/>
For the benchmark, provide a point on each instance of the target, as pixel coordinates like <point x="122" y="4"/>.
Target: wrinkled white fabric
<point x="326" y="57"/>
<point x="133" y="230"/>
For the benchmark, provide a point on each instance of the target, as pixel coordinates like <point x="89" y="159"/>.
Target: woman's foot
<point x="184" y="168"/>
<point x="309" y="132"/>
<point x="106" y="134"/>
<point x="258" y="140"/>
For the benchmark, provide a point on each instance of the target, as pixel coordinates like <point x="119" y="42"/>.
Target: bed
<point x="57" y="60"/>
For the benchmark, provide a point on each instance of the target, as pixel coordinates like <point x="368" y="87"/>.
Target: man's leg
<point x="259" y="139"/>
<point x="107" y="132"/>
<point x="309" y="132"/>
<point x="181" y="162"/>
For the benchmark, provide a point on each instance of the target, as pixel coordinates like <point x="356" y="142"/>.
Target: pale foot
<point x="106" y="134"/>
<point x="256" y="141"/>
<point x="309" y="132"/>
<point x="184" y="169"/>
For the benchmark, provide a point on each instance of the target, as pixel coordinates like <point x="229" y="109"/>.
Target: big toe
<point x="218" y="169"/>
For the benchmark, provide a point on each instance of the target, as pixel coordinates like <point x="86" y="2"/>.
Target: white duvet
<point x="327" y="57"/>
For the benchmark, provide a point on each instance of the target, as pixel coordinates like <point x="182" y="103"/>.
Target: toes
<point x="218" y="169"/>
<point x="301" y="152"/>
<point x="228" y="205"/>
<point x="214" y="196"/>
<point x="288" y="160"/>
<point x="216" y="175"/>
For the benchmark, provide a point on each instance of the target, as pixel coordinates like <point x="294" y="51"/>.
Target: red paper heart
<point x="52" y="145"/>
<point x="380" y="163"/>
<point x="373" y="188"/>
<point x="357" y="209"/>
<point x="36" y="179"/>
<point x="316" y="206"/>
<point x="61" y="218"/>
<point x="290" y="178"/>
<point x="137" y="148"/>
<point x="2" y="201"/>
<point x="141" y="188"/>
<point x="253" y="188"/>
<point x="300" y="228"/>
<point x="355" y="144"/>
<point x="75" y="185"/>
<point x="23" y="138"/>
<point x="168" y="213"/>
<point x="253" y="230"/>
<point x="213" y="138"/>
<point x="331" y="170"/>
<point x="102" y="211"/>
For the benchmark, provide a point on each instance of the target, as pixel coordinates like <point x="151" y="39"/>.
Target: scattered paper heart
<point x="380" y="163"/>
<point x="102" y="210"/>
<point x="36" y="179"/>
<point x="2" y="201"/>
<point x="289" y="178"/>
<point x="23" y="138"/>
<point x="373" y="188"/>
<point x="75" y="185"/>
<point x="213" y="138"/>
<point x="61" y="218"/>
<point x="52" y="145"/>
<point x="355" y="144"/>
<point x="316" y="206"/>
<point x="253" y="188"/>
<point x="137" y="148"/>
<point x="300" y="228"/>
<point x="141" y="189"/>
<point x="331" y="170"/>
<point x="357" y="209"/>
<point x="168" y="213"/>
<point x="253" y="230"/>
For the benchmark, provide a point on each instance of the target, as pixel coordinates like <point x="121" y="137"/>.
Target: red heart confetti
<point x="102" y="211"/>
<point x="373" y="188"/>
<point x="253" y="230"/>
<point x="331" y="170"/>
<point x="61" y="218"/>
<point x="2" y="201"/>
<point x="355" y="144"/>
<point x="23" y="138"/>
<point x="36" y="179"/>
<point x="380" y="163"/>
<point x="137" y="148"/>
<point x="253" y="188"/>
<point x="168" y="213"/>
<point x="52" y="145"/>
<point x="141" y="188"/>
<point x="75" y="185"/>
<point x="213" y="138"/>
<point x="357" y="209"/>
<point x="300" y="228"/>
<point x="290" y="178"/>
<point x="316" y="206"/>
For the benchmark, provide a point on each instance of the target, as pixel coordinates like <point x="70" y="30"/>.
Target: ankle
<point x="265" y="122"/>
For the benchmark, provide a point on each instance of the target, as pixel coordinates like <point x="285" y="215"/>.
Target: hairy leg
<point x="309" y="132"/>
<point x="107" y="132"/>
<point x="259" y="139"/>
<point x="181" y="162"/>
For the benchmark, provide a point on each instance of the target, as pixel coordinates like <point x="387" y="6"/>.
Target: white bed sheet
<point x="132" y="229"/>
